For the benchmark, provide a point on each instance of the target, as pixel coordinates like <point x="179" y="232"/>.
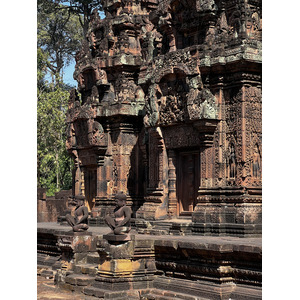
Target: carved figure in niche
<point x="127" y="91"/>
<point x="92" y="39"/>
<point x="232" y="162"/>
<point x="88" y="101"/>
<point x="145" y="41"/>
<point x="256" y="164"/>
<point x="103" y="47"/>
<point x="208" y="109"/>
<point x="95" y="95"/>
<point x="101" y="77"/>
<point x="98" y="133"/>
<point x="119" y="221"/>
<point x="80" y="219"/>
<point x="151" y="117"/>
<point x="147" y="44"/>
<point x="201" y="103"/>
<point x="80" y="79"/>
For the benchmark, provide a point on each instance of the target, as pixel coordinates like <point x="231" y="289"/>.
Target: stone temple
<point x="168" y="110"/>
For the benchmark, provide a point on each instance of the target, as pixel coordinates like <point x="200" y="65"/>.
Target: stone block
<point x="92" y="258"/>
<point x="117" y="238"/>
<point x="93" y="291"/>
<point x="119" y="267"/>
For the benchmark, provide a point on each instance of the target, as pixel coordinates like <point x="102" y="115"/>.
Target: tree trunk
<point x="57" y="171"/>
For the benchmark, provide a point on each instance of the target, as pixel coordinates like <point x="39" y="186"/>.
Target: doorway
<point x="188" y="181"/>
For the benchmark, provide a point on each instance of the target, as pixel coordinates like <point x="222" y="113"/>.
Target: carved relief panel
<point x="243" y="134"/>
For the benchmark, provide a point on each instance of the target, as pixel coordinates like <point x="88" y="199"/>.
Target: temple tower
<point x="169" y="112"/>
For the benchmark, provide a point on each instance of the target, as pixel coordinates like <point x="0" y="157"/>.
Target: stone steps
<point x="106" y="294"/>
<point x="157" y="294"/>
<point x="79" y="279"/>
<point x="86" y="268"/>
<point x="46" y="273"/>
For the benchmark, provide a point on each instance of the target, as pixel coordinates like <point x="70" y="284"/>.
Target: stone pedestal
<point x="74" y="246"/>
<point x="121" y="268"/>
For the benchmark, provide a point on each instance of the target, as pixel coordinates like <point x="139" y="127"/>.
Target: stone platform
<point x="151" y="266"/>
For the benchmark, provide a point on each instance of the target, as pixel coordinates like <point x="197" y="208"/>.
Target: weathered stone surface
<point x="117" y="238"/>
<point x="183" y="267"/>
<point x="49" y="209"/>
<point x="170" y="113"/>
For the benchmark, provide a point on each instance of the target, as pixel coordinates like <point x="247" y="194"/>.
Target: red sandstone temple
<point x="168" y="110"/>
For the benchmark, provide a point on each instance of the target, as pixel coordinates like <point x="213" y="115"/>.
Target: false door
<point x="188" y="181"/>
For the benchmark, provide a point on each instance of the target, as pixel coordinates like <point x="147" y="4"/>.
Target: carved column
<point x="172" y="183"/>
<point x="101" y="178"/>
<point x="81" y="182"/>
<point x="101" y="187"/>
<point x="156" y="165"/>
<point x="77" y="178"/>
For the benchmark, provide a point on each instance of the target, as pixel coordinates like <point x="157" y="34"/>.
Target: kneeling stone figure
<point x="80" y="219"/>
<point x="119" y="221"/>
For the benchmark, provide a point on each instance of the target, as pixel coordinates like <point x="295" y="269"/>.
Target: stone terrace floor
<point x="212" y="240"/>
<point x="46" y="290"/>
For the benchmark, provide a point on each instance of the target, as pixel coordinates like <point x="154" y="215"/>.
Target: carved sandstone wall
<point x="169" y="112"/>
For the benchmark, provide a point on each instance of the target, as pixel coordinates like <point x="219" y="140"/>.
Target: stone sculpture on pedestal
<point x="119" y="221"/>
<point x="80" y="219"/>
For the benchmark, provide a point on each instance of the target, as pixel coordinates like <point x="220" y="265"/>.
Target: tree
<point x="82" y="8"/>
<point x="41" y="68"/>
<point x="59" y="34"/>
<point x="58" y="39"/>
<point x="54" y="164"/>
<point x="61" y="27"/>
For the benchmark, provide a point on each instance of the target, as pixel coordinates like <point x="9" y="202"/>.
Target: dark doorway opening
<point x="188" y="181"/>
<point x="90" y="185"/>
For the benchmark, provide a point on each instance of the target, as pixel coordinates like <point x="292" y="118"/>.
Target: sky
<point x="68" y="74"/>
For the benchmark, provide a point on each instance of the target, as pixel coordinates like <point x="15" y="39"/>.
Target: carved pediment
<point x="201" y="104"/>
<point x="178" y="98"/>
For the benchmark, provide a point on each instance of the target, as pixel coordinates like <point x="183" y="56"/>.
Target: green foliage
<point x="61" y="25"/>
<point x="54" y="164"/>
<point x="59" y="33"/>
